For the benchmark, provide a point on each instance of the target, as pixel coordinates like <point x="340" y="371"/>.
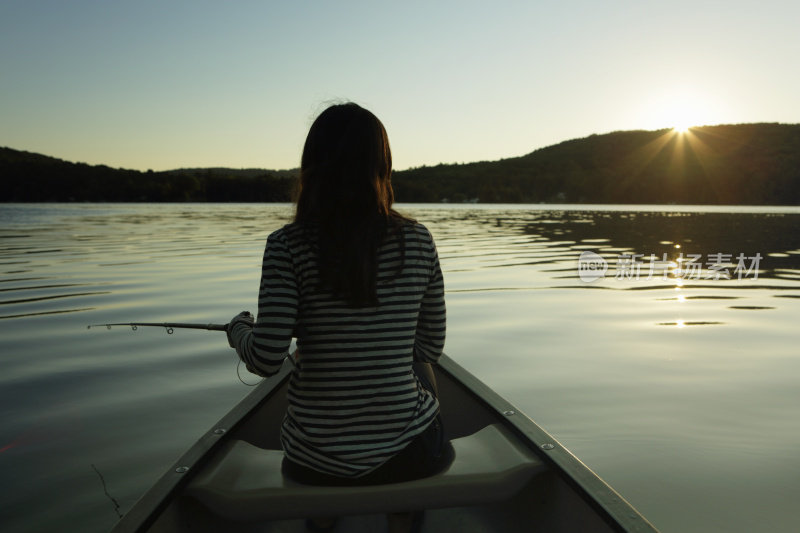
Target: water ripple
<point x="606" y="365"/>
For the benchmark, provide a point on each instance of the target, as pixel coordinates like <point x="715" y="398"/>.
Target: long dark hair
<point x="345" y="198"/>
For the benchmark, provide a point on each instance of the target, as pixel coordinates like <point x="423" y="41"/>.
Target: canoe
<point x="508" y="475"/>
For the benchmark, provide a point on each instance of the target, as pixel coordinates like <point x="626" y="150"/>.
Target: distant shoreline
<point x="403" y="206"/>
<point x="746" y="164"/>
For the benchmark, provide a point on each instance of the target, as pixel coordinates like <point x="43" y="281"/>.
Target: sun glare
<point x="683" y="116"/>
<point x="681" y="108"/>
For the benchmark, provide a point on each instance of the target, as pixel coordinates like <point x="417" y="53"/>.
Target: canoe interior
<point x="567" y="496"/>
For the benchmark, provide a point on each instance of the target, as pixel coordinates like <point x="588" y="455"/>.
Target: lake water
<point x="677" y="384"/>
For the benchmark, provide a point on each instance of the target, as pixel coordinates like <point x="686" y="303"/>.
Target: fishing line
<point x="238" y="375"/>
<point x="105" y="489"/>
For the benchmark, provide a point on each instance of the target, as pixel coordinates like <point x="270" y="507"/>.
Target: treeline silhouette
<point x="755" y="164"/>
<point x="31" y="177"/>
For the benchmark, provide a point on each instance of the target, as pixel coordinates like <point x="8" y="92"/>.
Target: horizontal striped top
<point x="354" y="401"/>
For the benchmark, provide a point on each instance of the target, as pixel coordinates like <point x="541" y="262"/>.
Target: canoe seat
<point x="244" y="482"/>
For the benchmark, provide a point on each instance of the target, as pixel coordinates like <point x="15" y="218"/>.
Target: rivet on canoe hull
<point x="547" y="446"/>
<point x="182" y="469"/>
<point x="509" y="412"/>
<point x="219" y="431"/>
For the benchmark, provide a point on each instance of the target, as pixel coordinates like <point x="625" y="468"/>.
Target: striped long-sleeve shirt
<point x="354" y="401"/>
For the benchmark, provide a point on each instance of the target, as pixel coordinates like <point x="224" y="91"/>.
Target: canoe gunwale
<point x="610" y="505"/>
<point x="147" y="509"/>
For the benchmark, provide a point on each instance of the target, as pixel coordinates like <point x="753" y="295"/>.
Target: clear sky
<point x="166" y="84"/>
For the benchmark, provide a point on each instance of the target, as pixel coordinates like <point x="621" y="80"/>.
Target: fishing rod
<point x="169" y="326"/>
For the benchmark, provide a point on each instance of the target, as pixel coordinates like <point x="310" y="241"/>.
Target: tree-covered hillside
<point x="31" y="177"/>
<point x="738" y="164"/>
<point x="756" y="164"/>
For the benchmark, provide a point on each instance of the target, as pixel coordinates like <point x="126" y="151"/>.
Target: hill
<point x="30" y="177"/>
<point x="755" y="164"/>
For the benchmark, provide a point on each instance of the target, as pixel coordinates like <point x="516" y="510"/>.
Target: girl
<point x="360" y="287"/>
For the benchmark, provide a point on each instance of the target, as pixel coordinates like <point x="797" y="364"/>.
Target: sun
<point x="682" y="114"/>
<point x="680" y="107"/>
<point x="681" y="127"/>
